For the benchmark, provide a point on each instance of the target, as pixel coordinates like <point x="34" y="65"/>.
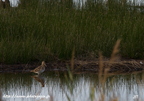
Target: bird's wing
<point x="38" y="68"/>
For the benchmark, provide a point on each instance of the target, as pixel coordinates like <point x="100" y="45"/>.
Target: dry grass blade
<point x="114" y="99"/>
<point x="92" y="94"/>
<point x="101" y="65"/>
<point x="115" y="51"/>
<point x="72" y="59"/>
<point x="104" y="67"/>
<point x="102" y="97"/>
<point x="51" y="98"/>
<point x="113" y="58"/>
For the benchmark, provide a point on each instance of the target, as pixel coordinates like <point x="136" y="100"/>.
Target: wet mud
<point x="79" y="66"/>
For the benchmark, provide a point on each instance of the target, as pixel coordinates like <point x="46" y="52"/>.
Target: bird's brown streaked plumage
<point x="40" y="68"/>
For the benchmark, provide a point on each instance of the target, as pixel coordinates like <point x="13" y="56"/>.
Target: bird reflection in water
<point x="39" y="79"/>
<point x="39" y="91"/>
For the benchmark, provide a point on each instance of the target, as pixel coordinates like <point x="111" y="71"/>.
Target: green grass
<point x="37" y="31"/>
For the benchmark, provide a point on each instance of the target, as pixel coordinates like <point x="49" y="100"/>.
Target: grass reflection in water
<point x="83" y="87"/>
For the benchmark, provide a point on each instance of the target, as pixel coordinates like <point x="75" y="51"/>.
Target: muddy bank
<point x="79" y="66"/>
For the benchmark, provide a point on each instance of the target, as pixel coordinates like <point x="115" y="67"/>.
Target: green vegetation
<point x="49" y="30"/>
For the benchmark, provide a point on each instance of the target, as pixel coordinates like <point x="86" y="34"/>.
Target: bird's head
<point x="43" y="63"/>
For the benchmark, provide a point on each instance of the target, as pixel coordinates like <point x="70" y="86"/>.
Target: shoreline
<point x="92" y="66"/>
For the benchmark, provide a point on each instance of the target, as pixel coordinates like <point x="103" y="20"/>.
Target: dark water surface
<point x="60" y="86"/>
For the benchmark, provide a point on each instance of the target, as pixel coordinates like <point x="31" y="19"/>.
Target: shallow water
<point x="59" y="86"/>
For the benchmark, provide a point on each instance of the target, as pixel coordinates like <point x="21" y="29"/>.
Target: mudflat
<point x="121" y="66"/>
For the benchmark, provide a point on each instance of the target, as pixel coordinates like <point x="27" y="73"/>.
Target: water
<point x="56" y="85"/>
<point x="80" y="3"/>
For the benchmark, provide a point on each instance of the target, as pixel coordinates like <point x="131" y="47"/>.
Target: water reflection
<point x="14" y="3"/>
<point x="59" y="87"/>
<point x="39" y="79"/>
<point x="81" y="3"/>
<point x="1" y="95"/>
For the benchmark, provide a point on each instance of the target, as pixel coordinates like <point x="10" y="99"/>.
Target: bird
<point x="40" y="68"/>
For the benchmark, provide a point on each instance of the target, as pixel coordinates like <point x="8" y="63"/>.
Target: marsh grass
<point x="39" y="30"/>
